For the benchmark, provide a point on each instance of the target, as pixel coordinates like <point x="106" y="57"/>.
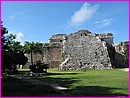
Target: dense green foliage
<point x="32" y="47"/>
<point x="35" y="47"/>
<point x="39" y="67"/>
<point x="12" y="52"/>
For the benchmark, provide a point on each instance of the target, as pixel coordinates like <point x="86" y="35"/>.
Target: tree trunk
<point x="31" y="56"/>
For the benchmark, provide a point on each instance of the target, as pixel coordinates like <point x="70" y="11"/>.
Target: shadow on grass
<point x="84" y="90"/>
<point x="72" y="73"/>
<point x="16" y="87"/>
<point x="49" y="73"/>
<point x="94" y="91"/>
<point x="65" y="82"/>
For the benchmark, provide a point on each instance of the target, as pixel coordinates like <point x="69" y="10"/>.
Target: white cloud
<point x="19" y="36"/>
<point x="103" y="23"/>
<point x="83" y="14"/>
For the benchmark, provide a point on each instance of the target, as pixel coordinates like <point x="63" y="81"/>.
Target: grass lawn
<point x="79" y="83"/>
<point x="91" y="82"/>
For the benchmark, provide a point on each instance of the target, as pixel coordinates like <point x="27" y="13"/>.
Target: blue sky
<point x="38" y="21"/>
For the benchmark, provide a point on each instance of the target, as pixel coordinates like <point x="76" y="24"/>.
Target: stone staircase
<point x="64" y="64"/>
<point x="67" y="64"/>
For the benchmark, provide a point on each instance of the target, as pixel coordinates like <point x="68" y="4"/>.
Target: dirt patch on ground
<point x="125" y="69"/>
<point x="37" y="82"/>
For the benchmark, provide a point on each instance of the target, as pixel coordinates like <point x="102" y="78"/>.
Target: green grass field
<point x="91" y="82"/>
<point x="78" y="83"/>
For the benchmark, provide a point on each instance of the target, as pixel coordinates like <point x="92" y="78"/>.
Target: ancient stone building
<point x="84" y="50"/>
<point x="80" y="51"/>
<point x="58" y="38"/>
<point x="107" y="37"/>
<point x="120" y="49"/>
<point x="51" y="55"/>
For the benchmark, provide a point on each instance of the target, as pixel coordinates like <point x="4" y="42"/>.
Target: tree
<point x="32" y="47"/>
<point x="37" y="48"/>
<point x="18" y="53"/>
<point x="28" y="47"/>
<point x="7" y="53"/>
<point x="39" y="67"/>
<point x="12" y="51"/>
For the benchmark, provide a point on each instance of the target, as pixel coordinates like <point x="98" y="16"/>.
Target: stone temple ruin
<point x="79" y="51"/>
<point x="83" y="50"/>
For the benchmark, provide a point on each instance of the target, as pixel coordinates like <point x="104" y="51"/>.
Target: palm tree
<point x="28" y="47"/>
<point x="32" y="47"/>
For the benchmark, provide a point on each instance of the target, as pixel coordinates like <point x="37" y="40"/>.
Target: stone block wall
<point x="107" y="37"/>
<point x="120" y="49"/>
<point x="80" y="51"/>
<point x="58" y="38"/>
<point x="51" y="55"/>
<point x="83" y="50"/>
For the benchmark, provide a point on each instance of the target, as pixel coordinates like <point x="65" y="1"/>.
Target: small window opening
<point x="85" y="34"/>
<point x="81" y="34"/>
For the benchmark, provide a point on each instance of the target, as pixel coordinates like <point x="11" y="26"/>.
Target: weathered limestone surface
<point x="84" y="50"/>
<point x="107" y="37"/>
<point x="81" y="50"/>
<point x="120" y="49"/>
<point x="58" y="38"/>
<point x="51" y="55"/>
